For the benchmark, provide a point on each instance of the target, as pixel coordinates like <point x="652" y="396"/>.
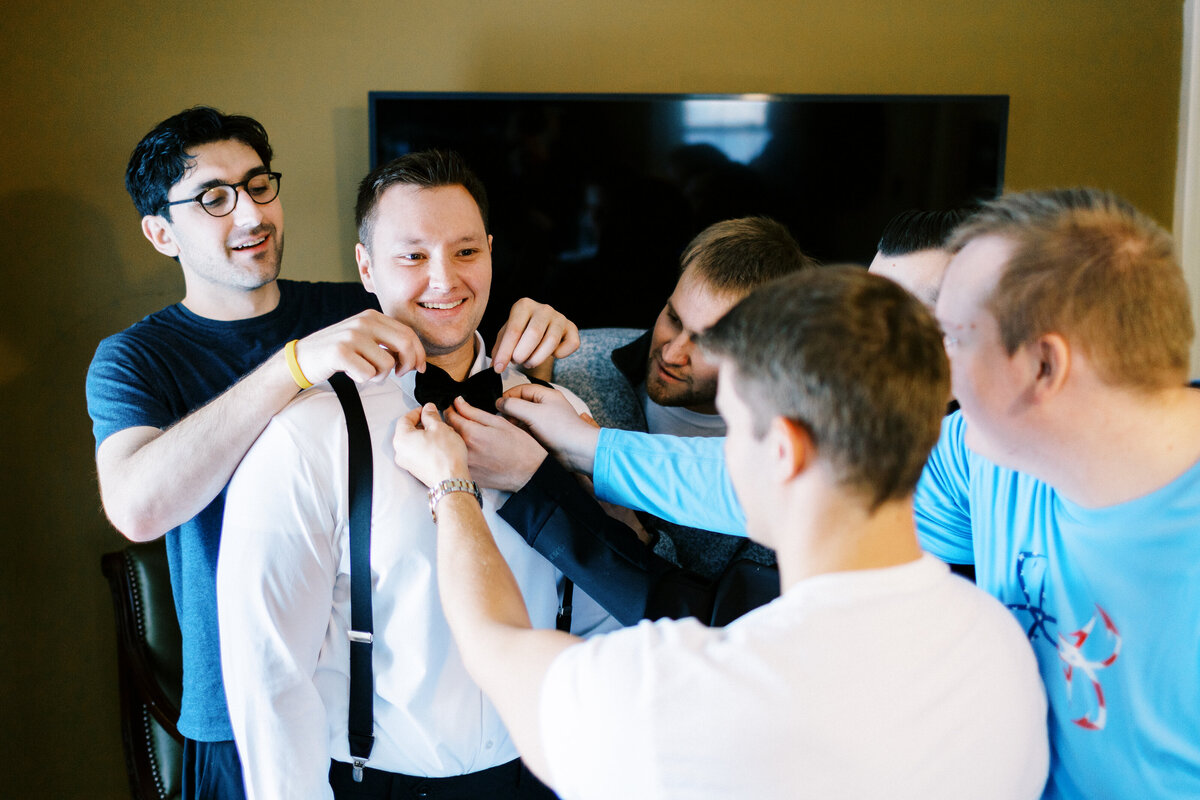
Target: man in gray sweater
<point x="656" y="381"/>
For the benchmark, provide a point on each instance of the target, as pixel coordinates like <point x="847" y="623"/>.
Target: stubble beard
<point x="683" y="394"/>
<point x="271" y="262"/>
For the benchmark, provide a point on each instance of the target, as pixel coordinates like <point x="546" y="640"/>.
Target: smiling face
<point x="676" y="373"/>
<point x="221" y="257"/>
<point x="430" y="264"/>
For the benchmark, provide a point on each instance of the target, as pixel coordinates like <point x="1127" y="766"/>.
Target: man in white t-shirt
<point x="877" y="673"/>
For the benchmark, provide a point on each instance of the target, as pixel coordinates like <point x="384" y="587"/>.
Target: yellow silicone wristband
<point x="289" y="353"/>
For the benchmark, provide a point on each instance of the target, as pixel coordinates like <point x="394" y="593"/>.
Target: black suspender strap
<point x="362" y="684"/>
<point x="563" y="621"/>
<point x="362" y="689"/>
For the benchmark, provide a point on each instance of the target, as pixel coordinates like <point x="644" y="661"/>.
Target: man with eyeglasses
<point x="178" y="398"/>
<point x="220" y="199"/>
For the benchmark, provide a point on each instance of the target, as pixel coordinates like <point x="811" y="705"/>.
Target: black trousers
<point x="511" y="781"/>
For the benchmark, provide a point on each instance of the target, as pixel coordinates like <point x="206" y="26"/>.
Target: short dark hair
<point x="913" y="231"/>
<point x="427" y="169"/>
<point x="737" y="256"/>
<point x="1089" y="266"/>
<point x="852" y="357"/>
<point x="161" y="158"/>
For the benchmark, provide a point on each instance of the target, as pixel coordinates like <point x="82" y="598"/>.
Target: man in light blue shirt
<point x="1070" y="478"/>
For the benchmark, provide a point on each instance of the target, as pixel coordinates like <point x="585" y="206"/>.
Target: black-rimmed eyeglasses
<point x="219" y="200"/>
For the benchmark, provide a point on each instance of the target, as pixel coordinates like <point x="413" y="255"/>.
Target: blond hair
<point x="1089" y="266"/>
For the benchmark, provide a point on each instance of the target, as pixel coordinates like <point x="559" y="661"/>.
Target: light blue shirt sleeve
<point x="943" y="501"/>
<point x="679" y="479"/>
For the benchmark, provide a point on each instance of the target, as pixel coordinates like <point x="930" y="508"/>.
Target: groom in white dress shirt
<point x="283" y="577"/>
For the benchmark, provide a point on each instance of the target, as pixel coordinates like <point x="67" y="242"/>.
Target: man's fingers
<point x="543" y="349"/>
<point x="511" y="332"/>
<point x="365" y="346"/>
<point x="430" y="418"/>
<point x="409" y="359"/>
<point x="538" y="328"/>
<point x="569" y="342"/>
<point x="464" y="409"/>
<point x="518" y="409"/>
<point x="530" y="392"/>
<point x="366" y="364"/>
<point x="401" y="343"/>
<point x="428" y="448"/>
<point x="547" y="348"/>
<point x="534" y="332"/>
<point x="455" y="421"/>
<point x="502" y="350"/>
<point x="460" y="415"/>
<point x="409" y="421"/>
<point x="369" y="361"/>
<point x="548" y="333"/>
<point x="507" y="342"/>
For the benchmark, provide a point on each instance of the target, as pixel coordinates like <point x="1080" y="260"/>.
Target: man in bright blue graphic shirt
<point x="1070" y="478"/>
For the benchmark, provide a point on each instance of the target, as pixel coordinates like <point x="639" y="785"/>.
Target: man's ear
<point x="362" y="256"/>
<point x="158" y="232"/>
<point x="489" y="243"/>
<point x="792" y="448"/>
<point x="1053" y="357"/>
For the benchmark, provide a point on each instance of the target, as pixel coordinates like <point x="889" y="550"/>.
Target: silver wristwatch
<point x="451" y="485"/>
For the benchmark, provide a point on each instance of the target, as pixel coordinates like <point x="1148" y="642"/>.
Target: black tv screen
<point x="593" y="197"/>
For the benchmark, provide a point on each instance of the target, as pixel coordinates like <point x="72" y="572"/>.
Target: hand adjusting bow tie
<point x="481" y="390"/>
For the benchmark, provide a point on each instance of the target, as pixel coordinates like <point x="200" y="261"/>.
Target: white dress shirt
<point x="283" y="596"/>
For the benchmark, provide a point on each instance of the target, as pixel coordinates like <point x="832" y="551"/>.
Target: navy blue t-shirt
<point x="156" y="372"/>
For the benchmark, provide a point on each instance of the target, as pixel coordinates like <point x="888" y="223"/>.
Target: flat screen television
<point x="594" y="196"/>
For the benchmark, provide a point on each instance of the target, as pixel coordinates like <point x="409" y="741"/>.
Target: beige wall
<point x="1094" y="87"/>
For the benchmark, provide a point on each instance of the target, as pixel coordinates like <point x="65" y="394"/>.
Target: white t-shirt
<point x="906" y="682"/>
<point x="677" y="420"/>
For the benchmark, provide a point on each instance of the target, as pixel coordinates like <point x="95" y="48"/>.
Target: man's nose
<point x="247" y="213"/>
<point x="441" y="272"/>
<point x="678" y="350"/>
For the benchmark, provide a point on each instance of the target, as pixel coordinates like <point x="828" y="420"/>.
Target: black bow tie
<point x="481" y="390"/>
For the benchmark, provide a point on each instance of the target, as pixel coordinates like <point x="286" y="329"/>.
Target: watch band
<point x="451" y="485"/>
